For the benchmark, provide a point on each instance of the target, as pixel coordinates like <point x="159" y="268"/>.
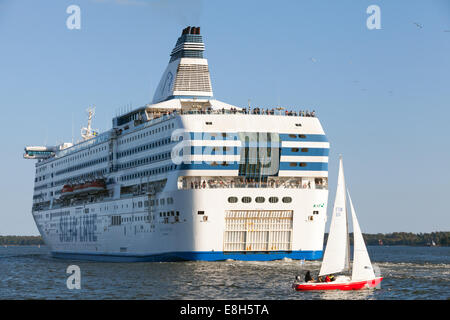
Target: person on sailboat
<point x="308" y="277"/>
<point x="297" y="281"/>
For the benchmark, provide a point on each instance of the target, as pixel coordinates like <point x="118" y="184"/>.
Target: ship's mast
<point x="87" y="132"/>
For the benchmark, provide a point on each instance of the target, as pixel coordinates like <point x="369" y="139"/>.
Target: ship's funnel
<point x="187" y="75"/>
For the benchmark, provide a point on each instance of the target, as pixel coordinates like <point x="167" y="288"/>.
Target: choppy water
<point x="31" y="273"/>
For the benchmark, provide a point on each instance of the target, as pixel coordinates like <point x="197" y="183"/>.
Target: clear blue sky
<point x="383" y="96"/>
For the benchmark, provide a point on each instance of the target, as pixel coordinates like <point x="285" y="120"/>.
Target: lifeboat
<point x="94" y="186"/>
<point x="66" y="191"/>
<point x="79" y="188"/>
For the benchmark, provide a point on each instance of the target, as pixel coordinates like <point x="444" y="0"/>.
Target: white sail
<point x="362" y="267"/>
<point x="336" y="256"/>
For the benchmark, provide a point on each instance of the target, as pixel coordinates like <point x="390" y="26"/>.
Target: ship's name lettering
<point x="78" y="229"/>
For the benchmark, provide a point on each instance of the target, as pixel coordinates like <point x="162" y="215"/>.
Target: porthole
<point x="292" y="164"/>
<point x="295" y="149"/>
<point x="246" y="199"/>
<point x="302" y="164"/>
<point x="287" y="199"/>
<point x="273" y="199"/>
<point x="305" y="149"/>
<point x="232" y="199"/>
<point x="260" y="199"/>
<point x="302" y="136"/>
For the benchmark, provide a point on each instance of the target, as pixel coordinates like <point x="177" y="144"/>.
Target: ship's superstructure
<point x="187" y="177"/>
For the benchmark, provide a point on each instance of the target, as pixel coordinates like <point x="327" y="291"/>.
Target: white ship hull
<point x="189" y="238"/>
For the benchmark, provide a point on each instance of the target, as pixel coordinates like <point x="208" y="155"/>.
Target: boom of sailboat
<point x="336" y="259"/>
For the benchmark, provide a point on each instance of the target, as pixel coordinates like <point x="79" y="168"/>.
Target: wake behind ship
<point x="187" y="177"/>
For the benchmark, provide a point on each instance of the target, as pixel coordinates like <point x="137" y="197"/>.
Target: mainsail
<point x="336" y="257"/>
<point x="362" y="267"/>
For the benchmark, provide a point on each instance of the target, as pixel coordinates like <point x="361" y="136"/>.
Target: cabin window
<point x="305" y="149"/>
<point x="246" y="199"/>
<point x="295" y="149"/>
<point x="293" y="164"/>
<point x="260" y="199"/>
<point x="302" y="164"/>
<point x="200" y="212"/>
<point x="273" y="199"/>
<point x="302" y="136"/>
<point x="292" y="136"/>
<point x="232" y="199"/>
<point x="315" y="212"/>
<point x="287" y="199"/>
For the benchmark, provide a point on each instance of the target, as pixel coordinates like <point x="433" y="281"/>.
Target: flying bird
<point x="418" y="25"/>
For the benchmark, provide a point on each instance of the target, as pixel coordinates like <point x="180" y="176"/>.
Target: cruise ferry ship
<point x="187" y="177"/>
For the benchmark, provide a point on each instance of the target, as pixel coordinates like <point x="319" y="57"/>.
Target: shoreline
<point x="433" y="239"/>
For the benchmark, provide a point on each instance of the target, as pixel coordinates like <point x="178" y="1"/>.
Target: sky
<point x="382" y="95"/>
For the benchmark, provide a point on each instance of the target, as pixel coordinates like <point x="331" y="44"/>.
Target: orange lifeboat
<point x="67" y="190"/>
<point x="94" y="186"/>
<point x="78" y="188"/>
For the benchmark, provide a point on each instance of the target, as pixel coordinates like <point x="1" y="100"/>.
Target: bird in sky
<point x="418" y="25"/>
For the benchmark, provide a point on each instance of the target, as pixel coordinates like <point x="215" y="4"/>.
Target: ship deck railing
<point x="255" y="111"/>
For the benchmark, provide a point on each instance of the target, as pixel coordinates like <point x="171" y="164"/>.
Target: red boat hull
<point x="357" y="285"/>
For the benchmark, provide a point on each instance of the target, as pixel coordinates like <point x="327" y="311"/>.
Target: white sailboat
<point x="336" y="258"/>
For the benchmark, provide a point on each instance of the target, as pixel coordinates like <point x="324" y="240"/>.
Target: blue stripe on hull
<point x="191" y="256"/>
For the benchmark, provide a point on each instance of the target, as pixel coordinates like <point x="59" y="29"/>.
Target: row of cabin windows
<point x="161" y="202"/>
<point x="117" y="220"/>
<point x="146" y="133"/>
<point x="301" y="136"/>
<point x="298" y="149"/>
<point x="169" y="214"/>
<point x="82" y="165"/>
<point x="143" y="147"/>
<point x="79" y="156"/>
<point x="259" y="199"/>
<point x="154" y="158"/>
<point x="86" y="175"/>
<point x="294" y="164"/>
<point x="148" y="172"/>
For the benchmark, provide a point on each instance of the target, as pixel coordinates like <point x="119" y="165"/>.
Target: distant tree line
<point x="405" y="239"/>
<point x="21" y="240"/>
<point x="387" y="239"/>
